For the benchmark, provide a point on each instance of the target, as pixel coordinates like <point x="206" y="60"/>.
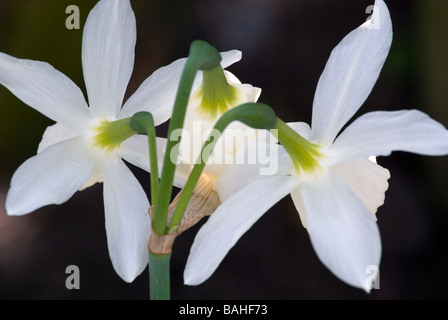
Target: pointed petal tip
<point x="191" y="279"/>
<point x="12" y="212"/>
<point x="129" y="278"/>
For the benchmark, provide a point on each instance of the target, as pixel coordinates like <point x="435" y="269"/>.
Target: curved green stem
<point x="202" y="56"/>
<point x="143" y="122"/>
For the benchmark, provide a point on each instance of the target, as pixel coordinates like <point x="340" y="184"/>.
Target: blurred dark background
<point x="285" y="45"/>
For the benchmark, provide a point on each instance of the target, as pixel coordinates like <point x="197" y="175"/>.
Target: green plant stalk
<point x="143" y="122"/>
<point x="202" y="56"/>
<point x="153" y="165"/>
<point x="193" y="178"/>
<point x="159" y="276"/>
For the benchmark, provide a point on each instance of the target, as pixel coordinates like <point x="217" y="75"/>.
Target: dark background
<point x="285" y="45"/>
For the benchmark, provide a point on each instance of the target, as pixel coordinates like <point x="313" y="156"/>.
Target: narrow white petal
<point x="158" y="92"/>
<point x="51" y="177"/>
<point x="108" y="55"/>
<point x="379" y="133"/>
<point x="230" y="57"/>
<point x="135" y="151"/>
<point x="54" y="134"/>
<point x="229" y="222"/>
<point x="45" y="89"/>
<point x="127" y="221"/>
<point x="296" y="197"/>
<point x="367" y="180"/>
<point x="350" y="74"/>
<point x="343" y="232"/>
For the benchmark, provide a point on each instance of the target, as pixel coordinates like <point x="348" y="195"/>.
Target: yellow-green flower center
<point x="304" y="154"/>
<point x="110" y="134"/>
<point x="217" y="95"/>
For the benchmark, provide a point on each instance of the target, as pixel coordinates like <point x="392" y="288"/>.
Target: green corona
<point x="110" y="134"/>
<point x="217" y="95"/>
<point x="304" y="154"/>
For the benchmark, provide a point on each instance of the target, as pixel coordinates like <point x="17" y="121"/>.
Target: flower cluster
<point x="330" y="172"/>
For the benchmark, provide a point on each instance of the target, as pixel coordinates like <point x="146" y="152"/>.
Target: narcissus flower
<point x="89" y="141"/>
<point x="335" y="187"/>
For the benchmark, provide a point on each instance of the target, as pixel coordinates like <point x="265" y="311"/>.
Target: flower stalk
<point x="202" y="56"/>
<point x="159" y="276"/>
<point x="143" y="122"/>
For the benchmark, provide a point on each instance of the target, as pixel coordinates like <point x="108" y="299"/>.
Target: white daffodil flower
<point x="334" y="186"/>
<point x="88" y="141"/>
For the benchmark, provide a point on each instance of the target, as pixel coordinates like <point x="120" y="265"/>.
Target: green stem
<point x="202" y="56"/>
<point x="255" y="115"/>
<point x="153" y="163"/>
<point x="143" y="122"/>
<point x="159" y="276"/>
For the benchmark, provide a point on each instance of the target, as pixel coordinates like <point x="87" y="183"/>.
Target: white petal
<point x="379" y="133"/>
<point x="135" y="151"/>
<point x="127" y="221"/>
<point x="343" y="232"/>
<point x="45" y="89"/>
<point x="51" y="177"/>
<point x="95" y="177"/>
<point x="229" y="222"/>
<point x="350" y="74"/>
<point x="301" y="128"/>
<point x="158" y="92"/>
<point x="271" y="159"/>
<point x="57" y="133"/>
<point x="54" y="134"/>
<point x="296" y="197"/>
<point x="230" y="57"/>
<point x="245" y="91"/>
<point x="108" y="55"/>
<point x="367" y="180"/>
